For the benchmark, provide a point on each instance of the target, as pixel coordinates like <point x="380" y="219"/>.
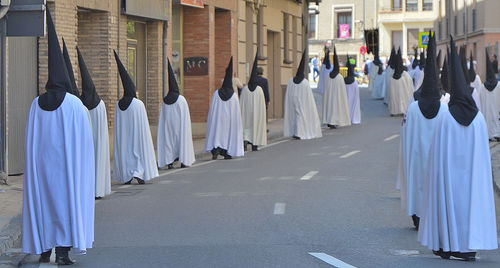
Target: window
<point x="440" y="30"/>
<point x="474" y="19"/>
<point x="311" y="32"/>
<point x="396" y="5"/>
<point x="344" y="22"/>
<point x="464" y="24"/>
<point x="397" y="39"/>
<point x="412" y="39"/>
<point x="411" y="5"/>
<point x="455" y="24"/>
<point x="286" y="39"/>
<point x="427" y="5"/>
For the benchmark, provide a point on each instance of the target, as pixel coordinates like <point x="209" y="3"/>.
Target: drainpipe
<point x="165" y="57"/>
<point x="3" y="88"/>
<point x="118" y="48"/>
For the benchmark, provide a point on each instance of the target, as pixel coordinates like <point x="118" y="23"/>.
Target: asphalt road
<point x="332" y="197"/>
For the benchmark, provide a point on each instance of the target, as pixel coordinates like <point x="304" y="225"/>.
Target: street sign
<point x="362" y="50"/>
<point x="423" y="39"/>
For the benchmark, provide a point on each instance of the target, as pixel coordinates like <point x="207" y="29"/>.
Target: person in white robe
<point x="473" y="77"/>
<point x="388" y="73"/>
<point x="324" y="71"/>
<point x="174" y="140"/>
<point x="58" y="191"/>
<point x="458" y="213"/>
<point x="100" y="134"/>
<point x="352" y="89"/>
<point x="489" y="94"/>
<point x="376" y="77"/>
<point x="401" y="88"/>
<point x="416" y="136"/>
<point x="134" y="154"/>
<point x="414" y="64"/>
<point x="224" y="128"/>
<point x="253" y="112"/>
<point x="474" y="91"/>
<point x="301" y="119"/>
<point x="418" y="75"/>
<point x="335" y="108"/>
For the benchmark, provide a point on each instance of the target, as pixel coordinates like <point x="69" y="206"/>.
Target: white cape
<point x="419" y="81"/>
<point x="335" y="106"/>
<point x="388" y="73"/>
<point x="134" y="154"/>
<point x="301" y="115"/>
<point x="445" y="98"/>
<point x="323" y="74"/>
<point x="458" y="212"/>
<point x="415" y="74"/>
<point x="253" y="116"/>
<point x="59" y="178"/>
<point x="401" y="93"/>
<point x="174" y="139"/>
<point x="376" y="82"/>
<point x="476" y="83"/>
<point x="354" y="105"/>
<point x="490" y="101"/>
<point x="224" y="127"/>
<point x="416" y="137"/>
<point x="99" y="121"/>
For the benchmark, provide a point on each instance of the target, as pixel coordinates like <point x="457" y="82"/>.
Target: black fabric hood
<point x="398" y="71"/>
<point x="89" y="96"/>
<point x="392" y="58"/>
<point x="350" y="72"/>
<point x="463" y="63"/>
<point x="462" y="107"/>
<point x="491" y="81"/>
<point x="421" y="62"/>
<point x="326" y="60"/>
<point x="299" y="76"/>
<point x="415" y="60"/>
<point x="58" y="81"/>
<point x="472" y="72"/>
<point x="67" y="61"/>
<point x="128" y="85"/>
<point x="429" y="97"/>
<point x="252" y="82"/>
<point x="336" y="66"/>
<point x="173" y="87"/>
<point x="227" y="91"/>
<point x="445" y="83"/>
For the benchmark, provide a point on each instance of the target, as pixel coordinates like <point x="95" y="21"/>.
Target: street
<point x="280" y="207"/>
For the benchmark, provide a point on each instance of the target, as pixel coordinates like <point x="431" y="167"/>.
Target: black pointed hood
<point x="350" y="72"/>
<point x="398" y="71"/>
<point x="415" y="60"/>
<point x="252" y="82"/>
<point x="462" y="107"/>
<point x="227" y="91"/>
<point x="445" y="83"/>
<point x="421" y="61"/>
<point x="491" y="81"/>
<point x="128" y="85"/>
<point x="58" y="81"/>
<point x="89" y="96"/>
<point x="336" y="67"/>
<point x="429" y="97"/>
<point x="299" y="76"/>
<point x="392" y="58"/>
<point x="173" y="87"/>
<point x="326" y="60"/>
<point x="67" y="61"/>
<point x="463" y="63"/>
<point x="472" y="72"/>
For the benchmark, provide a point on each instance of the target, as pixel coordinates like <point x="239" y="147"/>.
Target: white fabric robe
<point x="376" y="82"/>
<point x="490" y="101"/>
<point x="401" y="93"/>
<point x="301" y="117"/>
<point x="59" y="178"/>
<point x="458" y="208"/>
<point x="134" y="154"/>
<point x="99" y="121"/>
<point x="475" y="97"/>
<point x="415" y="76"/>
<point x="420" y="80"/>
<point x="323" y="73"/>
<point x="445" y="98"/>
<point x="224" y="128"/>
<point x="174" y="139"/>
<point x="388" y="73"/>
<point x="353" y="100"/>
<point x="416" y="137"/>
<point x="476" y="83"/>
<point x="335" y="105"/>
<point x="253" y="116"/>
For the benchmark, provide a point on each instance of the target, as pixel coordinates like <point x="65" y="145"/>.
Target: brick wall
<point x="223" y="44"/>
<point x="154" y="73"/>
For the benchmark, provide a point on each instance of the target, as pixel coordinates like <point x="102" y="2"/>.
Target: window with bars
<point x="427" y="5"/>
<point x="411" y="5"/>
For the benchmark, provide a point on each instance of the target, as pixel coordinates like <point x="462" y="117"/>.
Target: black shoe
<point x="442" y="254"/>
<point x="140" y="181"/>
<point x="254" y="148"/>
<point x="215" y="152"/>
<point x="183" y="166"/>
<point x="497" y="138"/>
<point x="464" y="256"/>
<point x="228" y="156"/>
<point x="416" y="220"/>
<point x="64" y="260"/>
<point x="129" y="182"/>
<point x="170" y="166"/>
<point x="45" y="257"/>
<point x="331" y="126"/>
<point x="98" y="197"/>
<point x="296" y="137"/>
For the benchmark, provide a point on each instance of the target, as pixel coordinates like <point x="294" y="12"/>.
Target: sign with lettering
<point x="193" y="3"/>
<point x="195" y="66"/>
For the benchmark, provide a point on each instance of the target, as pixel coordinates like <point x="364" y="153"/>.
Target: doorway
<point x="276" y="92"/>
<point x="136" y="53"/>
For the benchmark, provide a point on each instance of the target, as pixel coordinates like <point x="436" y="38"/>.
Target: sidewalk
<point x="11" y="197"/>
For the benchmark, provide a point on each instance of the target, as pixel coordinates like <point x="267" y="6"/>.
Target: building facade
<point x="340" y="22"/>
<point x="400" y="21"/>
<point x="473" y="23"/>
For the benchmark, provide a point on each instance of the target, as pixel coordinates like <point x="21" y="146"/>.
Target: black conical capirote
<point x="299" y="76"/>
<point x="252" y="82"/>
<point x="461" y="106"/>
<point x="336" y="67"/>
<point x="227" y="91"/>
<point x="89" y="96"/>
<point x="463" y="63"/>
<point x="350" y="78"/>
<point x="421" y="61"/>
<point x="392" y="58"/>
<point x="445" y="83"/>
<point x="429" y="98"/>
<point x="491" y="81"/>
<point x="67" y="61"/>
<point x="415" y="60"/>
<point x="398" y="71"/>
<point x="472" y="72"/>
<point x="326" y="60"/>
<point x="58" y="82"/>
<point x="128" y="85"/>
<point x="173" y="87"/>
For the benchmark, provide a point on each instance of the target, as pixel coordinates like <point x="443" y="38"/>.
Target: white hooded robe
<point x="335" y="105"/>
<point x="490" y="104"/>
<point x="253" y="116"/>
<point x="99" y="121"/>
<point x="353" y="100"/>
<point x="401" y="94"/>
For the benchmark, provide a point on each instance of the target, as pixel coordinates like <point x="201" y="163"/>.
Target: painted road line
<point x="404" y="252"/>
<point x="309" y="175"/>
<point x="350" y="154"/>
<point x="279" y="208"/>
<point x="274" y="143"/>
<point x="125" y="186"/>
<point x="391" y="137"/>
<point x="331" y="260"/>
